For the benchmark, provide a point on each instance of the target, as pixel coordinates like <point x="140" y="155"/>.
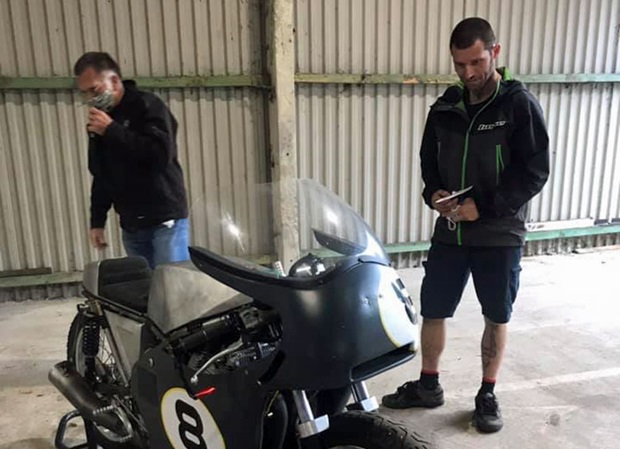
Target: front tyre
<point x="363" y="430"/>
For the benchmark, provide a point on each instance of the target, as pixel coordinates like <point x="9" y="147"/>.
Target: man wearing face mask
<point x="132" y="156"/>
<point x="488" y="134"/>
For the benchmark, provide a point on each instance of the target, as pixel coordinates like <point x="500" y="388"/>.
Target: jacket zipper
<point x="459" y="237"/>
<point x="499" y="162"/>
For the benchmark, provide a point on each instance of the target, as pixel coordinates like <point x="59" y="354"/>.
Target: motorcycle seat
<point x="124" y="281"/>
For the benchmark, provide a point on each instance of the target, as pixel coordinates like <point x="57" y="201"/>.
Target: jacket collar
<point x="129" y="96"/>
<point x="453" y="97"/>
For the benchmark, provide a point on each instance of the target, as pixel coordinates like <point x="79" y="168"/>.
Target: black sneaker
<point x="413" y="394"/>
<point x="487" y="417"/>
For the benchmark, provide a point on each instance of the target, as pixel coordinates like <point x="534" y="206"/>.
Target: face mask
<point x="103" y="101"/>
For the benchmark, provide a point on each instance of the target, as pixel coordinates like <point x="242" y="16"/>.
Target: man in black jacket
<point x="132" y="156"/>
<point x="486" y="134"/>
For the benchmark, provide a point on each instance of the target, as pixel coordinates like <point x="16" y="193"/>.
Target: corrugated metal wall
<point x="363" y="141"/>
<point x="148" y="37"/>
<point x="412" y="36"/>
<point x="44" y="183"/>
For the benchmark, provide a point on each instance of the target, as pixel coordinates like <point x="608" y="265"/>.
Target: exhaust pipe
<point x="74" y="387"/>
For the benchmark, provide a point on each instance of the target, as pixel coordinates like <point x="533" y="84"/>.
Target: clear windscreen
<point x="256" y="225"/>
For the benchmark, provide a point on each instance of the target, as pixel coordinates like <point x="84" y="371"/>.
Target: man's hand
<point x="446" y="207"/>
<point x="97" y="238"/>
<point x="467" y="211"/>
<point x="98" y="121"/>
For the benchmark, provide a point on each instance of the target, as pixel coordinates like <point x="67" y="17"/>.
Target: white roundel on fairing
<point x="188" y="423"/>
<point x="393" y="312"/>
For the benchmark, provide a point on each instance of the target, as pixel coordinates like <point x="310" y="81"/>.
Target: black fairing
<point x="332" y="330"/>
<point x="237" y="406"/>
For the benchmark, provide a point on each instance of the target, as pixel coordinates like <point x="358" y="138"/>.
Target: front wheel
<point x="363" y="430"/>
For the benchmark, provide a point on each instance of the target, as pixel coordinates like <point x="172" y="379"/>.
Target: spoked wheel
<point x="363" y="430"/>
<point x="106" y="372"/>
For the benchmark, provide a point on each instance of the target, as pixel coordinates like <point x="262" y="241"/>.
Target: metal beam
<point x="589" y="231"/>
<point x="263" y="81"/>
<point x="76" y="277"/>
<point x="415" y="247"/>
<point x="172" y="82"/>
<point x="422" y="79"/>
<point x="26" y="272"/>
<point x="41" y="280"/>
<point x="353" y="78"/>
<point x="532" y="236"/>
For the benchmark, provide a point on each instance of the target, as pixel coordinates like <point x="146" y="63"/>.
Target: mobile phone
<point x="453" y="195"/>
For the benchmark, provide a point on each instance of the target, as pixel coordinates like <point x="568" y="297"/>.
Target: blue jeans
<point x="159" y="244"/>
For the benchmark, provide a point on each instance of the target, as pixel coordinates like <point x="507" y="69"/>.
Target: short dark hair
<point x="100" y="61"/>
<point x="468" y="31"/>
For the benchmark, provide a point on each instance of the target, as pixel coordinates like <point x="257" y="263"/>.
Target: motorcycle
<point x="226" y="351"/>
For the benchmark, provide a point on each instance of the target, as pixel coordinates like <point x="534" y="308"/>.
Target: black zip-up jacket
<point x="503" y="152"/>
<point x="135" y="166"/>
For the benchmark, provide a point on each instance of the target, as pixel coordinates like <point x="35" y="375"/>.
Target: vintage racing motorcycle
<point x="224" y="351"/>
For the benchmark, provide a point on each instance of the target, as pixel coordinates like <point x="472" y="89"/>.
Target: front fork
<point x="363" y="400"/>
<point x="309" y="425"/>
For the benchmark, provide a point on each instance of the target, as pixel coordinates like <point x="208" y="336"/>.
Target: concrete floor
<point x="559" y="386"/>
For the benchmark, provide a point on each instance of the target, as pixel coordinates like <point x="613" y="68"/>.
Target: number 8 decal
<point x="190" y="431"/>
<point x="188" y="424"/>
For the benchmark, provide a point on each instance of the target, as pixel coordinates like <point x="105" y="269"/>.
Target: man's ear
<point x="495" y="50"/>
<point x="116" y="81"/>
<point x="117" y="88"/>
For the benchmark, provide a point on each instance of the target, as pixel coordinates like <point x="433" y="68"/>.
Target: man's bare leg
<point x="492" y="348"/>
<point x="433" y="343"/>
<point x="487" y="417"/>
<point x="426" y="392"/>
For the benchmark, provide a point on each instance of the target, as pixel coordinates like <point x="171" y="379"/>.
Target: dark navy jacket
<point x="135" y="166"/>
<point x="503" y="152"/>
